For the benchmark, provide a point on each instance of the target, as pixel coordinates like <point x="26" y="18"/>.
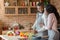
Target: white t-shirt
<point x="39" y="18"/>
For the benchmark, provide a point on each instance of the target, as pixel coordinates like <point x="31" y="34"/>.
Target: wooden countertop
<point x="15" y="37"/>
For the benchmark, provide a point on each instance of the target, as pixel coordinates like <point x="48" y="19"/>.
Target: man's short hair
<point x="40" y="4"/>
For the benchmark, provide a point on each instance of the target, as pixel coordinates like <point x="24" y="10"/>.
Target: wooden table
<point x="5" y="37"/>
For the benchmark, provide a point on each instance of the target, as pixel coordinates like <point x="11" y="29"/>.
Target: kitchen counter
<point x="5" y="37"/>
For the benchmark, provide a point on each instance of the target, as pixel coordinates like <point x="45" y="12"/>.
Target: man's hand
<point x="34" y="31"/>
<point x="41" y="24"/>
<point x="45" y="27"/>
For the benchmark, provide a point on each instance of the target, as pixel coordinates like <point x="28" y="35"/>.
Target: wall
<point x="19" y="19"/>
<point x="56" y="3"/>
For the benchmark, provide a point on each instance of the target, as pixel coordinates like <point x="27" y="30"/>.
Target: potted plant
<point x="46" y="2"/>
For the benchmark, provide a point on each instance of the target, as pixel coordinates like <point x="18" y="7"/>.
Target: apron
<point x="53" y="35"/>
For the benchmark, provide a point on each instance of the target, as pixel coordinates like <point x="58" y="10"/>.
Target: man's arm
<point x="37" y="16"/>
<point x="42" y="29"/>
<point x="38" y="20"/>
<point x="34" y="31"/>
<point x="44" y="24"/>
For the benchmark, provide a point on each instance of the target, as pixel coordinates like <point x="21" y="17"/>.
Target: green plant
<point x="46" y="2"/>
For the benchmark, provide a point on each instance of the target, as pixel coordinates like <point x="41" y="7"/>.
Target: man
<point x="38" y="25"/>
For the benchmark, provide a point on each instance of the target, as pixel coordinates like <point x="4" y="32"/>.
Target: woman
<point x="52" y="19"/>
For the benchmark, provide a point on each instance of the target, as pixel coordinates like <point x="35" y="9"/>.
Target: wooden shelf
<point x="32" y="6"/>
<point x="32" y="14"/>
<point x="12" y="15"/>
<point x="34" y="0"/>
<point x="10" y="7"/>
<point x="20" y="7"/>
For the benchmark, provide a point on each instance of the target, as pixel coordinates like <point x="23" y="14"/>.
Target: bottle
<point x="7" y="4"/>
<point x="33" y="3"/>
<point x="26" y="3"/>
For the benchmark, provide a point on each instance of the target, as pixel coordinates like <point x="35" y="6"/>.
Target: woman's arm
<point x="49" y="21"/>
